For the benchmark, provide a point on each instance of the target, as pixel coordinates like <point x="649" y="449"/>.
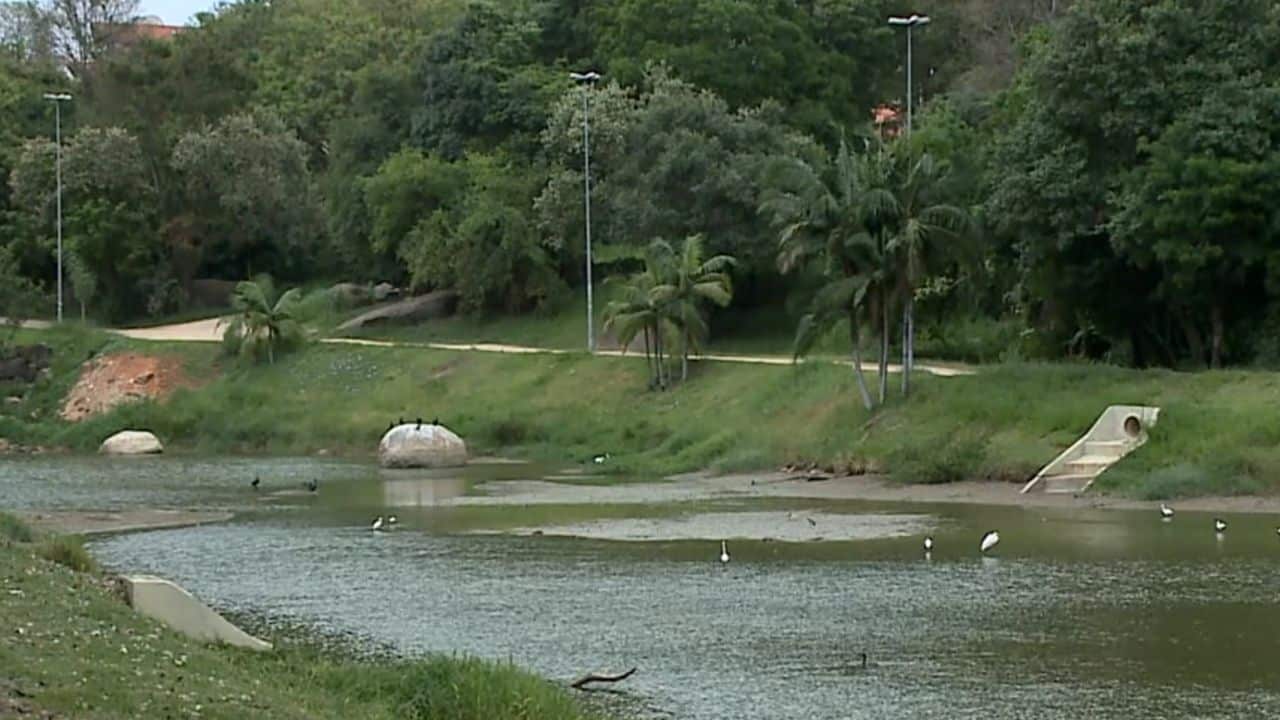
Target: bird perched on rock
<point x="418" y="425"/>
<point x="435" y="421"/>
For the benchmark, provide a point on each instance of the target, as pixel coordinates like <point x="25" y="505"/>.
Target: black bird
<point x="313" y="485"/>
<point x="419" y="426"/>
<point x="864" y="660"/>
<point x="435" y="421"/>
<point x="400" y="421"/>
<point x="812" y="522"/>
<point x="390" y="427"/>
<point x="256" y="482"/>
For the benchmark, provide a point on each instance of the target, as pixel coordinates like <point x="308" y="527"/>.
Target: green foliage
<point x="255" y="207"/>
<point x="263" y="324"/>
<point x="481" y="241"/>
<point x="936" y="460"/>
<point x="68" y="551"/>
<point x="14" y="530"/>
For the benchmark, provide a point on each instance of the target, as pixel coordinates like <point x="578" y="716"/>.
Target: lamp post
<point x="908" y="23"/>
<point x="587" y="79"/>
<point x="57" y="99"/>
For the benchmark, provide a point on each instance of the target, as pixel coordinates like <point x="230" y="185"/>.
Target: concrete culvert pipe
<point x="1132" y="426"/>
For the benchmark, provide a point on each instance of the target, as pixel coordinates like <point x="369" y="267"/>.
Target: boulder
<point x="131" y="442"/>
<point x="438" y="304"/>
<point x="383" y="291"/>
<point x="349" y="294"/>
<point x="421" y="446"/>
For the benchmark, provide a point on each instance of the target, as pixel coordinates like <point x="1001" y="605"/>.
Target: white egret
<point x="928" y="544"/>
<point x="377" y="524"/>
<point x="1219" y="525"/>
<point x="724" y="552"/>
<point x="989" y="540"/>
<point x="1166" y="512"/>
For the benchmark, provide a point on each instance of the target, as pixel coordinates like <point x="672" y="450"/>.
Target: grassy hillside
<point x="1219" y="432"/>
<point x="70" y="647"/>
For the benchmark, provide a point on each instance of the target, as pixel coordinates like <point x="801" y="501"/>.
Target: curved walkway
<point x="209" y="331"/>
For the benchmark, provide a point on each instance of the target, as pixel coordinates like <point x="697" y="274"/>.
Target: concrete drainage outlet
<point x="1132" y="426"/>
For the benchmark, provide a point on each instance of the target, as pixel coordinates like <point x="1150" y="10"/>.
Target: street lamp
<point x="587" y="79"/>
<point x="57" y="99"/>
<point x="909" y="22"/>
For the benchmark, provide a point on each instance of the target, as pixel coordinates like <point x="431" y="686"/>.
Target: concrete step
<point x="1114" y="449"/>
<point x="1067" y="483"/>
<point x="1085" y="462"/>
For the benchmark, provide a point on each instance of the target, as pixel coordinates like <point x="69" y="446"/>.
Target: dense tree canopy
<point x="1114" y="160"/>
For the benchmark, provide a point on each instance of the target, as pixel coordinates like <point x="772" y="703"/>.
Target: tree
<point x="823" y="220"/>
<point x="18" y="296"/>
<point x="26" y="33"/>
<point x="917" y="226"/>
<point x="250" y="197"/>
<point x="481" y="240"/>
<point x="693" y="282"/>
<point x="639" y="310"/>
<point x="263" y="322"/>
<point x="87" y="29"/>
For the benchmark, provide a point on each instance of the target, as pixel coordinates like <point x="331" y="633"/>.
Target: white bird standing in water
<point x="724" y="552"/>
<point x="392" y="520"/>
<point x="377" y="524"/>
<point x="1219" y="525"/>
<point x="928" y="544"/>
<point x="1166" y="512"/>
<point x="989" y="540"/>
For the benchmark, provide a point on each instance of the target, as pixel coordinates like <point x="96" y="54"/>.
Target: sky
<point x="175" y="12"/>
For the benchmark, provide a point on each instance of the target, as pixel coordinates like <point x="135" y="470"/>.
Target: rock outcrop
<point x="424" y="307"/>
<point x="24" y="363"/>
<point x="131" y="442"/>
<point x="421" y="446"/>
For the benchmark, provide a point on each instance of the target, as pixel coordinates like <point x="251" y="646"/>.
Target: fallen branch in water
<point x="581" y="682"/>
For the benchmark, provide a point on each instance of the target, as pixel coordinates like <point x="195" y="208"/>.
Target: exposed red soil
<point x="112" y="380"/>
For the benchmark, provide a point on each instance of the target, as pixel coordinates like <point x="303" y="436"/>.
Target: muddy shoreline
<point x="95" y="522"/>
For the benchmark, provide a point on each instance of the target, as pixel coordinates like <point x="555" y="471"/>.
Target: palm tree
<point x="916" y="227"/>
<point x="692" y="282"/>
<point x="262" y="321"/>
<point x="824" y="217"/>
<point x="641" y="310"/>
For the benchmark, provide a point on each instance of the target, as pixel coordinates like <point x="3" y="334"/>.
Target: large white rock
<point x="415" y="446"/>
<point x="131" y="442"/>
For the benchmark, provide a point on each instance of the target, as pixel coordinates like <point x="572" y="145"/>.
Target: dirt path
<point x="209" y="331"/>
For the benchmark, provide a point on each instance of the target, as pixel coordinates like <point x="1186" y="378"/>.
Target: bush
<point x="1191" y="480"/>
<point x="942" y="461"/>
<point x="68" y="550"/>
<point x="456" y="689"/>
<point x="14" y="530"/>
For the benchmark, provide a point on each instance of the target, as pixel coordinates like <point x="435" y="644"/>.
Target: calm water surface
<point x="1081" y="614"/>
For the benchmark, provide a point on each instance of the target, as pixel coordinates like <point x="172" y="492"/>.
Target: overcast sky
<point x="175" y="12"/>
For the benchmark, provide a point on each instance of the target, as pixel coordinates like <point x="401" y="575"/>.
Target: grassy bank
<point x="72" y="648"/>
<point x="1219" y="432"/>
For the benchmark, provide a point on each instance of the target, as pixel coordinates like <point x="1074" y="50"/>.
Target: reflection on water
<point x="1077" y="614"/>
<point x="420" y="492"/>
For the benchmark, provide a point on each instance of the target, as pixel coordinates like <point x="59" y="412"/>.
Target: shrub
<point x="14" y="530"/>
<point x="942" y="461"/>
<point x="68" y="550"/>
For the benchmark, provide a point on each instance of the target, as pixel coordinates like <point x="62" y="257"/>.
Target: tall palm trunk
<point x="908" y="344"/>
<point x="648" y="356"/>
<point x="859" y="378"/>
<point x="884" y="349"/>
<point x="657" y="342"/>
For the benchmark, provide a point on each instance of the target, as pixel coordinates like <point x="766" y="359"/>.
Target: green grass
<point x="1219" y="431"/>
<point x="74" y="649"/>
<point x="68" y="551"/>
<point x="14" y="530"/>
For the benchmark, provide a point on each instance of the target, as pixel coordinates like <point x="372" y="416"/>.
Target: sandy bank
<point x="81" y="522"/>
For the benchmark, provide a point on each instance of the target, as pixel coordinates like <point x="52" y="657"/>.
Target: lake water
<point x="1101" y="614"/>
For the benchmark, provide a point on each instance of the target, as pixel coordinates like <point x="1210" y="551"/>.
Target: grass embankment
<point x="1219" y="432"/>
<point x="72" y="648"/>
